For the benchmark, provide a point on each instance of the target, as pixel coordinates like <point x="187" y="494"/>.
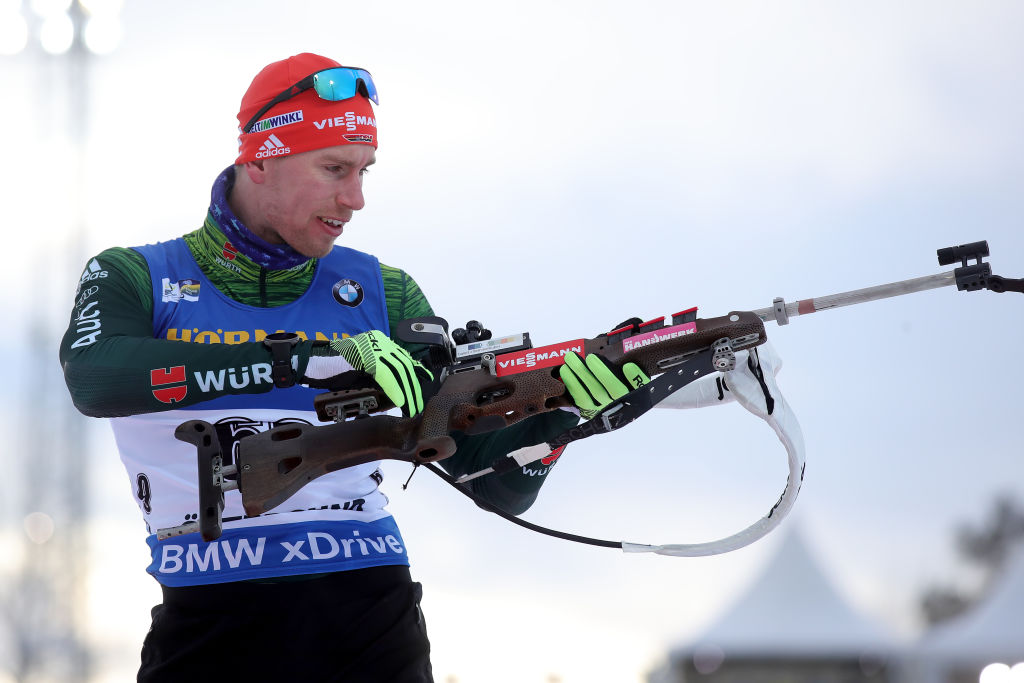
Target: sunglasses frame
<point x="309" y="82"/>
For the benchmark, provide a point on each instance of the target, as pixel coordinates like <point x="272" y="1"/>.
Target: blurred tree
<point x="986" y="546"/>
<point x="989" y="544"/>
<point x="942" y="603"/>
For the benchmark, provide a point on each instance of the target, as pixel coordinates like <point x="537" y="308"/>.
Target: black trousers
<point x="352" y="626"/>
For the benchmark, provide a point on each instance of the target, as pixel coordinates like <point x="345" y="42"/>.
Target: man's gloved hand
<point x="391" y="367"/>
<point x="592" y="384"/>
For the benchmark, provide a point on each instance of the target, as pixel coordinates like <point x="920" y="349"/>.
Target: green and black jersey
<point x="109" y="352"/>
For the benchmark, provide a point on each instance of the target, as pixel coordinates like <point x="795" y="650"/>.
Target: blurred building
<point x="790" y="626"/>
<point x="793" y="626"/>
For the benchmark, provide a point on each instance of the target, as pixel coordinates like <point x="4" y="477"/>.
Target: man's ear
<point x="256" y="170"/>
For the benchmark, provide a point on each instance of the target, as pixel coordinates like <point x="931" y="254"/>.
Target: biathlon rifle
<point x="488" y="383"/>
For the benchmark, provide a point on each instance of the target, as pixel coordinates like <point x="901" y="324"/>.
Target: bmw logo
<point x="348" y="293"/>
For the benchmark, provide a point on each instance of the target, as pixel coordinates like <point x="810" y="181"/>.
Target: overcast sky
<point x="556" y="167"/>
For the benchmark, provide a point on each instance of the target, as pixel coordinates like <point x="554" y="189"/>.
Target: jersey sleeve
<point x="404" y="297"/>
<point x="404" y="300"/>
<point x="113" y="365"/>
<point x="514" y="491"/>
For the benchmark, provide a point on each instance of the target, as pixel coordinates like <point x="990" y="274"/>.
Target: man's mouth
<point x="333" y="222"/>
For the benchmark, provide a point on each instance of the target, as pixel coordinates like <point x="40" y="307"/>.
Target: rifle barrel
<point x="781" y="311"/>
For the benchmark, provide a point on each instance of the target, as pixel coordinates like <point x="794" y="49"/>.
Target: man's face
<point x="305" y="200"/>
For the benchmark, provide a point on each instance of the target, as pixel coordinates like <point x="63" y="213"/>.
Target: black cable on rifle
<point x="515" y="520"/>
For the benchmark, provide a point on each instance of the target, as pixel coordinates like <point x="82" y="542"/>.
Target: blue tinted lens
<point x="341" y="83"/>
<point x="367" y="79"/>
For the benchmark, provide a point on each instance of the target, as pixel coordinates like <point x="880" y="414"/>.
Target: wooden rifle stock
<point x="273" y="465"/>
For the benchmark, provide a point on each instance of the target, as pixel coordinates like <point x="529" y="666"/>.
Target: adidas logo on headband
<point x="272" y="147"/>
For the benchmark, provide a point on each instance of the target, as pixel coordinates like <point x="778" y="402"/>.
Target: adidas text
<point x="272" y="147"/>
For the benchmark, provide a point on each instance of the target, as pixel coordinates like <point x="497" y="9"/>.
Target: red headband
<point x="304" y="122"/>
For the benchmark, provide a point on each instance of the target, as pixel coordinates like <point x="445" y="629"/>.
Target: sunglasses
<point x="334" y="84"/>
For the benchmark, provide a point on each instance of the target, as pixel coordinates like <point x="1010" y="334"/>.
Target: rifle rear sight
<point x="466" y="348"/>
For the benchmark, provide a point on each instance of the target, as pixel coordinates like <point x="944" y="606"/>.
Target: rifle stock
<point x="273" y="465"/>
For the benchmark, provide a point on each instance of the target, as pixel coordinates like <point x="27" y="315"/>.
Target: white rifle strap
<point x="748" y="383"/>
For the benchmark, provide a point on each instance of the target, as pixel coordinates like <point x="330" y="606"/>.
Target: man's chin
<point x="321" y="254"/>
<point x="315" y="251"/>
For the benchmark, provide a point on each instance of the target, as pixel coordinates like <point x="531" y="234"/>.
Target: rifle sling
<point x="617" y="415"/>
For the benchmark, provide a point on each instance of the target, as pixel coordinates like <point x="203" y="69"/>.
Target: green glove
<point x="391" y="367"/>
<point x="592" y="384"/>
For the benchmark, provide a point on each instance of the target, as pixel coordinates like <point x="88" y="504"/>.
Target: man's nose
<point x="350" y="195"/>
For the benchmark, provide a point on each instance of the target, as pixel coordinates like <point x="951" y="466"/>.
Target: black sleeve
<point x="113" y="365"/>
<point x="514" y="491"/>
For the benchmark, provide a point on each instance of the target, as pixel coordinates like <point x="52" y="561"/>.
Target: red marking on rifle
<point x="540" y="357"/>
<point x="688" y="310"/>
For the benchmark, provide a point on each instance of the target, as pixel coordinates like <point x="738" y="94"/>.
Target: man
<point x="227" y="324"/>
